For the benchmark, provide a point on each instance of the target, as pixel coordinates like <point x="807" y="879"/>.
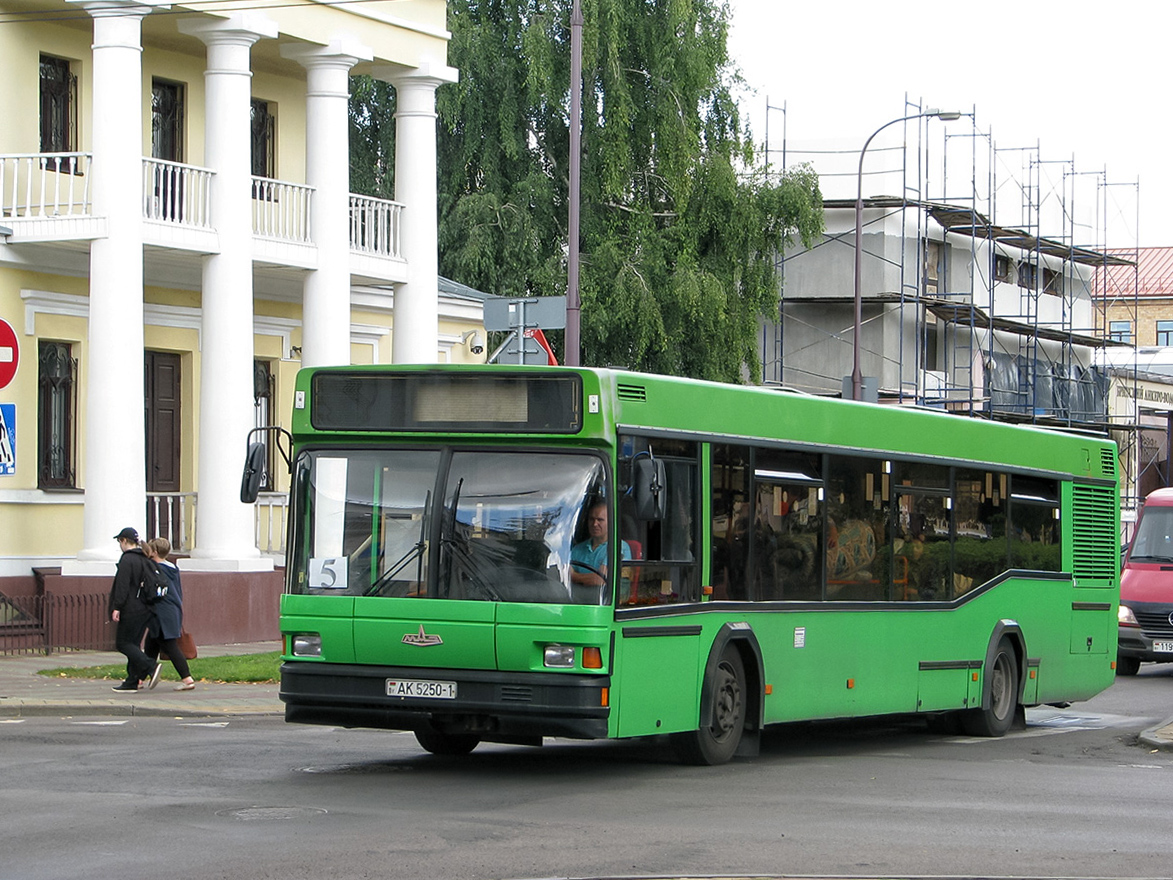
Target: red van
<point x="1146" y="588"/>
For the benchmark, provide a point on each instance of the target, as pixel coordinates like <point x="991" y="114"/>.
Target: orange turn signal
<point x="592" y="658"/>
<point x="604" y="697"/>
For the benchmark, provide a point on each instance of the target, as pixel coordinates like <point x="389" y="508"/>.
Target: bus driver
<point x="588" y="559"/>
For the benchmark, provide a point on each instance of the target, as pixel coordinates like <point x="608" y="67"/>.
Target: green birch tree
<point x="678" y="239"/>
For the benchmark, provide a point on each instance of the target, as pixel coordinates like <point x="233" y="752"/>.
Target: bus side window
<point x="730" y="521"/>
<point x="856" y="528"/>
<point x="663" y="568"/>
<point x="1035" y="541"/>
<point x="979" y="545"/>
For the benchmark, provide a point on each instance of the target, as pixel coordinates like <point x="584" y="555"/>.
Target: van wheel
<point x="717" y="739"/>
<point x="1127" y="666"/>
<point x="1000" y="696"/>
<point x="447" y="743"/>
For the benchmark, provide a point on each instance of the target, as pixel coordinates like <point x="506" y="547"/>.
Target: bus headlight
<point x="307" y="645"/>
<point x="559" y="657"/>
<point x="1126" y="617"/>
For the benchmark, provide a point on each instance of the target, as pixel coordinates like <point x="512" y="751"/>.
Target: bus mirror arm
<point x="256" y="456"/>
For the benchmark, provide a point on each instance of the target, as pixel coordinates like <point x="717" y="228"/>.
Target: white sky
<point x="1086" y="83"/>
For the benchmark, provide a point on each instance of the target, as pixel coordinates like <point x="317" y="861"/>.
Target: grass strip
<point x="248" y="668"/>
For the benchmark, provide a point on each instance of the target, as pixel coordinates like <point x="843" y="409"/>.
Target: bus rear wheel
<point x="716" y="741"/>
<point x="439" y="743"/>
<point x="999" y="697"/>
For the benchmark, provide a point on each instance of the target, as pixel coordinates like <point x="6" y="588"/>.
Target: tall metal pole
<point x="856" y="373"/>
<point x="573" y="307"/>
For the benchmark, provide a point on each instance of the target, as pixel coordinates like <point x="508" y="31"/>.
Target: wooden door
<point x="163" y="436"/>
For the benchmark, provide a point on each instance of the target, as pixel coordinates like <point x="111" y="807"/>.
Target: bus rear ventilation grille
<point x="1108" y="462"/>
<point x="632" y="392"/>
<point x="516" y="694"/>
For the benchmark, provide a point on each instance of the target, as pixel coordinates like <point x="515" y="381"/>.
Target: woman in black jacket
<point x="133" y="616"/>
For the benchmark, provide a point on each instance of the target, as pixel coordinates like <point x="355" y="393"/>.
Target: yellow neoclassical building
<point x="177" y="238"/>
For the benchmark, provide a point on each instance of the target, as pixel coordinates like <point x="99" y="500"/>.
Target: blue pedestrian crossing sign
<point x="7" y="439"/>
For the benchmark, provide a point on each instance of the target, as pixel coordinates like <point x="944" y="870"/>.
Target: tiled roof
<point x="1151" y="277"/>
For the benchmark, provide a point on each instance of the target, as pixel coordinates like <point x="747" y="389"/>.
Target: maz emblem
<point x="422" y="639"/>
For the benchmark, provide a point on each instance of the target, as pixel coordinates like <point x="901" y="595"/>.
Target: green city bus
<point x="501" y="554"/>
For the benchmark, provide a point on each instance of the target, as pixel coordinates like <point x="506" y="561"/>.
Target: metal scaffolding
<point x="985" y="282"/>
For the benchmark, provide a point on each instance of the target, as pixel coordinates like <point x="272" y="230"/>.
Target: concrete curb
<point x="18" y="708"/>
<point x="1159" y="736"/>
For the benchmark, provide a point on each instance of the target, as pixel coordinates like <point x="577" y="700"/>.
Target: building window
<point x="1165" y="333"/>
<point x="932" y="267"/>
<point x="167" y="120"/>
<point x="264" y="130"/>
<point x="1120" y="331"/>
<point x="1052" y="282"/>
<point x="1001" y="268"/>
<point x="263" y="409"/>
<point x="58" y="106"/>
<point x="56" y="416"/>
<point x="1028" y="275"/>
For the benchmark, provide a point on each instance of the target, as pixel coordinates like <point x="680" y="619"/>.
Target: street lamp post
<point x="572" y="355"/>
<point x="856" y="373"/>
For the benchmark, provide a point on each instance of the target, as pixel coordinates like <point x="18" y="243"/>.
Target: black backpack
<point x="153" y="586"/>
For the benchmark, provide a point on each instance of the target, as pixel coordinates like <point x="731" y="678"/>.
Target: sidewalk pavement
<point x="23" y="692"/>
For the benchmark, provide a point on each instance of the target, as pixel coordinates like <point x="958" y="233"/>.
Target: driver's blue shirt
<point x="596" y="557"/>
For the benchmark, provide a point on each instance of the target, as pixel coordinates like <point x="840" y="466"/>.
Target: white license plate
<point x="414" y="687"/>
<point x="1163" y="647"/>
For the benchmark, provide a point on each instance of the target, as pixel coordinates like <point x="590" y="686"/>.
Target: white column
<point x="225" y="527"/>
<point x="114" y="452"/>
<point x="326" y="294"/>
<point x="415" y="334"/>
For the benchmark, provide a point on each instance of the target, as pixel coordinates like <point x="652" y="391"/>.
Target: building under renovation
<point x="979" y="282"/>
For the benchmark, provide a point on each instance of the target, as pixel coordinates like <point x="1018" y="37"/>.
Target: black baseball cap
<point x="127" y="534"/>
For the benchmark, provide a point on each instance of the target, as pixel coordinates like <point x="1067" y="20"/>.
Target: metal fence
<point x="51" y="623"/>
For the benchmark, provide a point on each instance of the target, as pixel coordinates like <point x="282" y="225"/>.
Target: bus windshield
<point x="440" y="523"/>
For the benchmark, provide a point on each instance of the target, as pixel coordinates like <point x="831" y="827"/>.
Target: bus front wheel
<point x="1127" y="666"/>
<point x="439" y="743"/>
<point x="1000" y="696"/>
<point x="718" y="737"/>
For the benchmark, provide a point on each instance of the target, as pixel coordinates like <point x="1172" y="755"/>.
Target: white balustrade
<point x="272" y="512"/>
<point x="281" y="210"/>
<point x="177" y="193"/>
<point x="375" y="226"/>
<point x="39" y="185"/>
<point x="172" y="515"/>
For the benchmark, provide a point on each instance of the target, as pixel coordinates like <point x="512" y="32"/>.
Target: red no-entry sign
<point x="9" y="353"/>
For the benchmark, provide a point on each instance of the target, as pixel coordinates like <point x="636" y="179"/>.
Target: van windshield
<point x="1153" y="541"/>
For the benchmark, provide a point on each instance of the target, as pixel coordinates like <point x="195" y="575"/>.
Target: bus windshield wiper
<point x="415" y="553"/>
<point x="1139" y="557"/>
<point x="456" y="550"/>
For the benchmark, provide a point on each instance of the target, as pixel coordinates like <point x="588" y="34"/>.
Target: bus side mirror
<point x="648" y="486"/>
<point x="254" y="469"/>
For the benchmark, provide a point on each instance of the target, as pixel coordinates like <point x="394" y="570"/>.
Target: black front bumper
<point x="488" y="703"/>
<point x="1156" y="624"/>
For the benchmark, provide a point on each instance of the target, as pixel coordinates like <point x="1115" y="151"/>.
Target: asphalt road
<point x="1073" y="795"/>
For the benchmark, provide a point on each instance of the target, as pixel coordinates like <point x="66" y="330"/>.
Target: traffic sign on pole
<point x="9" y="353"/>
